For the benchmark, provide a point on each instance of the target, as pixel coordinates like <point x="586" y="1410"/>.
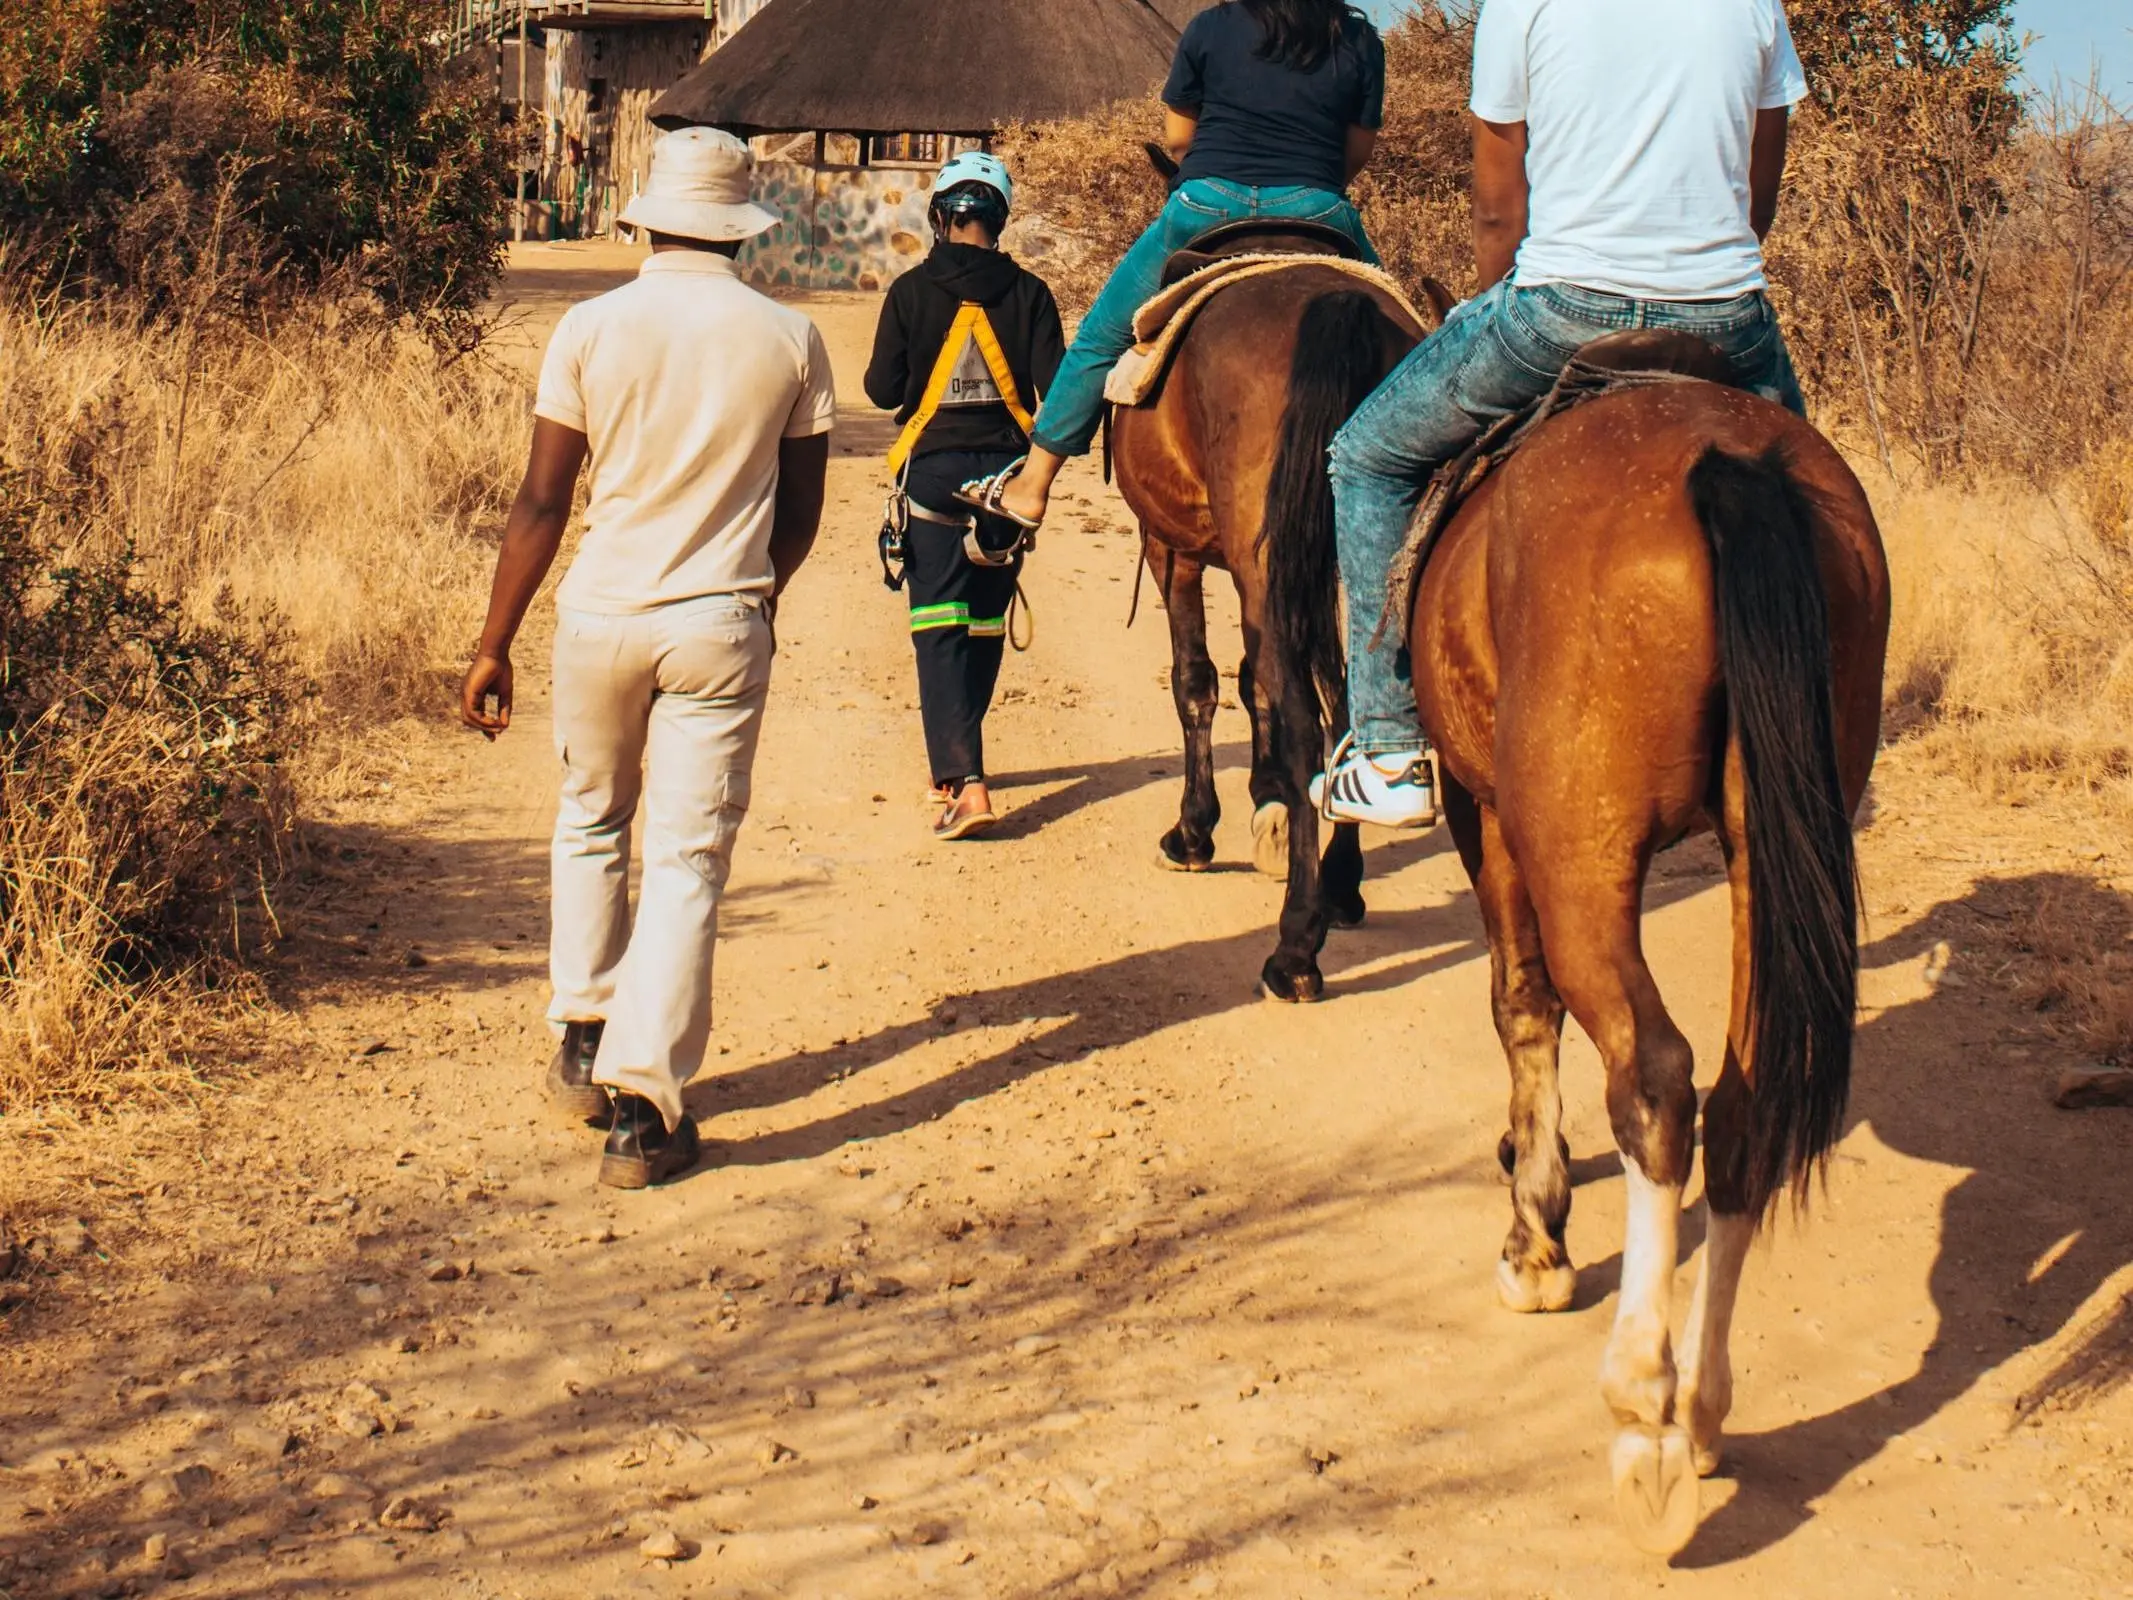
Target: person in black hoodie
<point x="967" y="345"/>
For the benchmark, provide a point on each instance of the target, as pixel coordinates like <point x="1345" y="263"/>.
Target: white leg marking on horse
<point x="1638" y="1376"/>
<point x="1654" y="1473"/>
<point x="1706" y="1393"/>
<point x="1270" y="839"/>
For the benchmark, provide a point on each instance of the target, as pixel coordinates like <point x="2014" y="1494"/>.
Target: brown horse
<point x="1667" y="612"/>
<point x="1226" y="469"/>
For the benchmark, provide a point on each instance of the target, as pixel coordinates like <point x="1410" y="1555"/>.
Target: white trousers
<point x="665" y="706"/>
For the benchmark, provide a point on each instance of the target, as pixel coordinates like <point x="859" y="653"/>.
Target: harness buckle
<point x="895" y="518"/>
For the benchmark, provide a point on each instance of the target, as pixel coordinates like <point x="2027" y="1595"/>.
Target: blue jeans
<point x="1496" y="353"/>
<point x="1073" y="406"/>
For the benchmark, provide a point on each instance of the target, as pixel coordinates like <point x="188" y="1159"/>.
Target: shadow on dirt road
<point x="2034" y="1229"/>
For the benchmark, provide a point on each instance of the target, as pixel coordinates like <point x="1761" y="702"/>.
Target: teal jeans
<point x="1073" y="406"/>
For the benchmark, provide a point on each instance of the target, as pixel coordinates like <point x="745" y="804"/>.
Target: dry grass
<point x="306" y="514"/>
<point x="334" y="480"/>
<point x="75" y="1026"/>
<point x="2011" y="654"/>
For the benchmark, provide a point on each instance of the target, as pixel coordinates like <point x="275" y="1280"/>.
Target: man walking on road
<point x="705" y="409"/>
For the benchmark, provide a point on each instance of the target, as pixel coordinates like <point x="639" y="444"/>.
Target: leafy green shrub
<point x="261" y="146"/>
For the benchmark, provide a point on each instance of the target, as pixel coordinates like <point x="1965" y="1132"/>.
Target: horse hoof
<point x="1270" y="840"/>
<point x="1656" y="1493"/>
<point x="1290" y="988"/>
<point x="1551" y="1289"/>
<point x="1346" y="913"/>
<point x="1173" y="856"/>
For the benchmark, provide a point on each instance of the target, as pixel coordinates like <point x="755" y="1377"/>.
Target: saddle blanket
<point x="1163" y="319"/>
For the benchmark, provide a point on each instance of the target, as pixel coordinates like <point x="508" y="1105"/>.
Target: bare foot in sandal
<point x="1029" y="492"/>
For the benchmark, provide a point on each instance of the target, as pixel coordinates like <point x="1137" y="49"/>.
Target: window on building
<point x="904" y="149"/>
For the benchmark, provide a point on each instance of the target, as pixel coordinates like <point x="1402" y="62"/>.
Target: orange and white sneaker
<point x="1395" y="789"/>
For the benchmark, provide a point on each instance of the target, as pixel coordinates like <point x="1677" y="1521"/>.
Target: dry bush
<point x="313" y="144"/>
<point x="1414" y="193"/>
<point x="2074" y="965"/>
<point x="1085" y="190"/>
<point x="143" y="807"/>
<point x="330" y="473"/>
<point x="233" y="553"/>
<point x="2011" y="651"/>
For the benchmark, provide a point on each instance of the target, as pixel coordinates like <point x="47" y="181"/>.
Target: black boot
<point x="641" y="1151"/>
<point x="570" y="1076"/>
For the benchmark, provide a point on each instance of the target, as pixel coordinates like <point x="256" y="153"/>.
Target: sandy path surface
<point x="1036" y="1257"/>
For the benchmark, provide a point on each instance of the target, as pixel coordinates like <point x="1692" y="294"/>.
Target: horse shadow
<point x="1088" y="1010"/>
<point x="1099" y="1007"/>
<point x="2034" y="1228"/>
<point x="1089" y="783"/>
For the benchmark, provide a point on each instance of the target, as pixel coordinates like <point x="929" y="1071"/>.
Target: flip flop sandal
<point x="984" y="494"/>
<point x="954" y="826"/>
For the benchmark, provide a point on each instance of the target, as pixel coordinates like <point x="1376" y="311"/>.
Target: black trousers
<point x="958" y="613"/>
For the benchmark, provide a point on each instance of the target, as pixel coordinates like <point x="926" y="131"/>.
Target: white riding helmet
<point x="975" y="166"/>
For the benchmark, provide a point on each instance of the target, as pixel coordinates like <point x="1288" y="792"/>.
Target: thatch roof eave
<point x="931" y="66"/>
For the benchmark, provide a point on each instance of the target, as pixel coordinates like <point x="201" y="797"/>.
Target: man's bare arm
<point x="803" y="469"/>
<point x="532" y="535"/>
<point x="1499" y="197"/>
<point x="1766" y="168"/>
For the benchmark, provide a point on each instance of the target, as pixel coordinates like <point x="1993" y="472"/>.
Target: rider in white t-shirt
<point x="1627" y="155"/>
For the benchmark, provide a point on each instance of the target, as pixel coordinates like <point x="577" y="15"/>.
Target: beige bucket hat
<point x="699" y="188"/>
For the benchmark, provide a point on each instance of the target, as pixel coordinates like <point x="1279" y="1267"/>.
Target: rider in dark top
<point x="1272" y="108"/>
<point x="1267" y="123"/>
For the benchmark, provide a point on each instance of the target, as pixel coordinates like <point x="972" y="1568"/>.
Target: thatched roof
<point x="922" y="66"/>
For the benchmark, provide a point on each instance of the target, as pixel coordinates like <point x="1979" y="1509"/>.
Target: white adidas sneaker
<point x="1396" y="790"/>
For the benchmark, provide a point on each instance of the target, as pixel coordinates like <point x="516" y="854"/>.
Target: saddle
<point x="1636" y="358"/>
<point x="1211" y="263"/>
<point x="1259" y="236"/>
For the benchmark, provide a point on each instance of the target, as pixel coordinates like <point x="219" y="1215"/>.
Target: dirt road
<point x="1035" y="1256"/>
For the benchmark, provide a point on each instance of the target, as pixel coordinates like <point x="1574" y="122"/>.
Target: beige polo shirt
<point x="684" y="382"/>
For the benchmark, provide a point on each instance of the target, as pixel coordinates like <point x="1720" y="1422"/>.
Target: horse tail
<point x="1803" y="977"/>
<point x="1339" y="360"/>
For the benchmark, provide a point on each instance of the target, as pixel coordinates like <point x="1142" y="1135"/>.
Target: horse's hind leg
<point x="1197" y="688"/>
<point x="1270" y="812"/>
<point x="1589" y="912"/>
<point x="1706" y="1357"/>
<point x="1291" y="972"/>
<point x="1535" y="1273"/>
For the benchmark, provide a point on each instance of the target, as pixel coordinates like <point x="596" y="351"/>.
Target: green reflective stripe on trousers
<point x="988" y="627"/>
<point x="950" y="614"/>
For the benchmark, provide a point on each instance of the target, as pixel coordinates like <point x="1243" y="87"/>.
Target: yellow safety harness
<point x="972" y="322"/>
